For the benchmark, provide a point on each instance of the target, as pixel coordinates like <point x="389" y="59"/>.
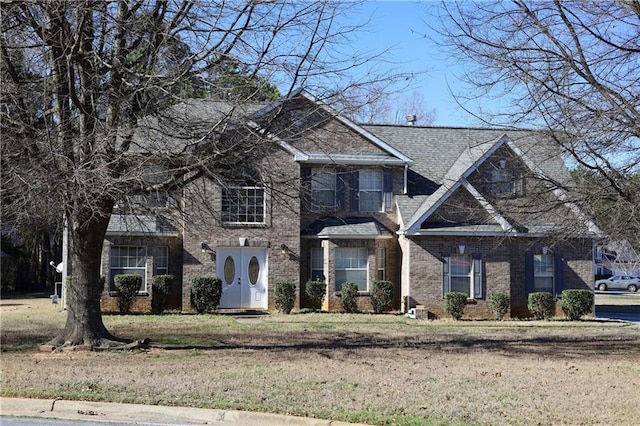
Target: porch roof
<point x="141" y="226"/>
<point x="332" y="227"/>
<point x="351" y="158"/>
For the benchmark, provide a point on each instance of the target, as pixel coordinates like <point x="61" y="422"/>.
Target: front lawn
<point x="378" y="369"/>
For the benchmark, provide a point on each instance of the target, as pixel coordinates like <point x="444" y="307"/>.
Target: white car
<point x="619" y="282"/>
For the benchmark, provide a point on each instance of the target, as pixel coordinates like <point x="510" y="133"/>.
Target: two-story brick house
<point x="430" y="209"/>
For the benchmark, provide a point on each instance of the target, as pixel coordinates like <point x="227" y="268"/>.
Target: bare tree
<point x="570" y="68"/>
<point x="375" y="104"/>
<point x="79" y="79"/>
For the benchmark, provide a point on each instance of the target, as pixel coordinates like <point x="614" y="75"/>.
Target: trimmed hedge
<point x="454" y="303"/>
<point x="576" y="303"/>
<point x="284" y="296"/>
<point x="161" y="286"/>
<point x="540" y="304"/>
<point x="127" y="286"/>
<point x="205" y="293"/>
<point x="499" y="304"/>
<point x="381" y="295"/>
<point x="315" y="290"/>
<point x="349" y="297"/>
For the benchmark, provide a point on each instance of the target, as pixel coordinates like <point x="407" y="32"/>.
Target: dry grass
<point x="380" y="369"/>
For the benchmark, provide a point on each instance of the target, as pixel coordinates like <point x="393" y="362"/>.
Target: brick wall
<point x="282" y="226"/>
<point x="142" y="304"/>
<point x="504" y="271"/>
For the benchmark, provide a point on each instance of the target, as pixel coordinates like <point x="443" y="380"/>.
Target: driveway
<point x="618" y="305"/>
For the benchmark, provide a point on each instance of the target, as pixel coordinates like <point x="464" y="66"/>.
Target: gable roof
<point x="185" y="125"/>
<point x="140" y="225"/>
<point x="445" y="157"/>
<point x="191" y="122"/>
<point x="434" y="150"/>
<point x="455" y="178"/>
<point x="391" y="155"/>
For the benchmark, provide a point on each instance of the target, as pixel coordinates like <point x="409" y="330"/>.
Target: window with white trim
<point x="152" y="199"/>
<point x="351" y="265"/>
<point x="506" y="183"/>
<point x="128" y="260"/>
<point x="243" y="205"/>
<point x="463" y="273"/>
<point x="543" y="273"/>
<point x="317" y="264"/>
<point x="323" y="190"/>
<point x="370" y="191"/>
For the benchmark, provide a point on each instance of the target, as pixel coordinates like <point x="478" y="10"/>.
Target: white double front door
<point x="243" y="271"/>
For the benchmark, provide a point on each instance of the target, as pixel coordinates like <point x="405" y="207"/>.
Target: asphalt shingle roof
<point x="436" y="149"/>
<point x="442" y="155"/>
<point x="347" y="227"/>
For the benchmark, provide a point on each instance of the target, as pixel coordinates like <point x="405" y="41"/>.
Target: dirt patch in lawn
<point x="380" y="369"/>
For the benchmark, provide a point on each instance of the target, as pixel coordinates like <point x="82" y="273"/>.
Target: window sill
<point x="140" y="294"/>
<point x="239" y="225"/>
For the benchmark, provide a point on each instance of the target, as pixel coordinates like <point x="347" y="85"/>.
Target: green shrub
<point x="349" y="297"/>
<point x="540" y="304"/>
<point x="127" y="286"/>
<point x="454" y="303"/>
<point x="499" y="304"/>
<point x="381" y="295"/>
<point x="284" y="296"/>
<point x="205" y="293"/>
<point x="315" y="290"/>
<point x="576" y="303"/>
<point x="161" y="286"/>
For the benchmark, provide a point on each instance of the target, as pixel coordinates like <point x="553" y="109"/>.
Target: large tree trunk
<point x="84" y="318"/>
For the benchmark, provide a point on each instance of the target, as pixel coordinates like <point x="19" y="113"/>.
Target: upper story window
<point x="243" y="205"/>
<point x="364" y="190"/>
<point x="323" y="190"/>
<point x="506" y="183"/>
<point x="152" y="175"/>
<point x="153" y="199"/>
<point x="370" y="191"/>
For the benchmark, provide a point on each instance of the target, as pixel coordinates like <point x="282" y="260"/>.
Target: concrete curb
<point x="154" y="414"/>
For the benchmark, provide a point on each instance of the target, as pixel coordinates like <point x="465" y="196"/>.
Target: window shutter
<point x="478" y="285"/>
<point x="355" y="187"/>
<point x="387" y="180"/>
<point x="446" y="274"/>
<point x="528" y="272"/>
<point x="340" y="189"/>
<point x="558" y="274"/>
<point x="305" y="174"/>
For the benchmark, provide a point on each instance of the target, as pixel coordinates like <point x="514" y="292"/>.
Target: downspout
<point x="409" y="312"/>
<point x="404" y="184"/>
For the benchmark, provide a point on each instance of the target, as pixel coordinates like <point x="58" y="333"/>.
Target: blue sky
<point x="400" y="26"/>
